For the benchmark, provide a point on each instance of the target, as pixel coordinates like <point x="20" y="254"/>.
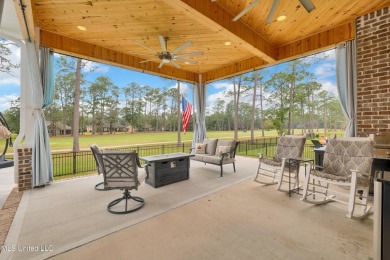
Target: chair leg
<point x="99" y="186"/>
<point x="305" y="186"/>
<point x="234" y="167"/>
<point x="221" y="170"/>
<point x="126" y="197"/>
<point x="352" y="195"/>
<point x="260" y="171"/>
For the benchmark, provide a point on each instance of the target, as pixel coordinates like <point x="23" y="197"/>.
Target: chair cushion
<point x="362" y="179"/>
<point x="200" y="148"/>
<point x="230" y="143"/>
<point x="345" y="154"/>
<point x="211" y="145"/>
<point x="289" y="146"/>
<point x="270" y="162"/>
<point x="216" y="159"/>
<point x="223" y="149"/>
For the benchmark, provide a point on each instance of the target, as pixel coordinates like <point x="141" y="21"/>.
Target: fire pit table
<point x="164" y="169"/>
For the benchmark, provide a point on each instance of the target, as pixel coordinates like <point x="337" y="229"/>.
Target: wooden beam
<point x="316" y="42"/>
<point x="69" y="46"/>
<point x="218" y="19"/>
<point x="236" y="68"/>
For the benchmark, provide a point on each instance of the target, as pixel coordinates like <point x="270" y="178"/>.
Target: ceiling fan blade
<point x="178" y="49"/>
<point x="148" y="60"/>
<point x="272" y="11"/>
<point x="162" y="43"/>
<point x="188" y="54"/>
<point x="161" y="64"/>
<point x="309" y="6"/>
<point x="146" y="47"/>
<point x="175" y="64"/>
<point x="246" y="9"/>
<point x="186" y="61"/>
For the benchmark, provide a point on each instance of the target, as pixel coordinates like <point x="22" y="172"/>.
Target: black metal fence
<point x="70" y="163"/>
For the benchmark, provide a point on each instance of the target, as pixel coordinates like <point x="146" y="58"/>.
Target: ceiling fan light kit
<point x="169" y="57"/>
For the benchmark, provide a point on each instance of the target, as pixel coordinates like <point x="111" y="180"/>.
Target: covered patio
<point x="205" y="217"/>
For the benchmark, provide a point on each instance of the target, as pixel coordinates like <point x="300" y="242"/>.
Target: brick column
<point x="373" y="71"/>
<point x="24" y="169"/>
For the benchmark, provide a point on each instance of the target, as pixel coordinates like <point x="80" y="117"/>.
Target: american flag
<point x="186" y="112"/>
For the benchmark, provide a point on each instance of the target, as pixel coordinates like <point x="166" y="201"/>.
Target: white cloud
<point x="5" y="101"/>
<point x="6" y="79"/>
<point x="184" y="88"/>
<point x="95" y="67"/>
<point x="325" y="70"/>
<point x="222" y="85"/>
<point x="329" y="86"/>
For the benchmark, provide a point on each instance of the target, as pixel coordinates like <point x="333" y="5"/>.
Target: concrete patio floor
<point x="206" y="217"/>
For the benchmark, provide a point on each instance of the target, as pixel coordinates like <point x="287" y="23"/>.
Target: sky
<point x="324" y="71"/>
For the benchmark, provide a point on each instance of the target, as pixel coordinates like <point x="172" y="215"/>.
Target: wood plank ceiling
<point x="113" y="25"/>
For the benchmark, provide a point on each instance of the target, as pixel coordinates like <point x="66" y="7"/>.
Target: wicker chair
<point x="347" y="164"/>
<point x="120" y="171"/>
<point x="271" y="170"/>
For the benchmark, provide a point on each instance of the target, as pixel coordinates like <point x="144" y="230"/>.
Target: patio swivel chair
<point x="344" y="177"/>
<point x="120" y="171"/>
<point x="271" y="170"/>
<point x="96" y="150"/>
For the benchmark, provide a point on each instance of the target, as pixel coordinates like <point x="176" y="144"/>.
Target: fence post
<point x="266" y="150"/>
<point x="246" y="150"/>
<point x="163" y="149"/>
<point x="74" y="162"/>
<point x="183" y="147"/>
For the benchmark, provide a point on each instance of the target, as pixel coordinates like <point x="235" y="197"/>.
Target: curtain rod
<point x="23" y="7"/>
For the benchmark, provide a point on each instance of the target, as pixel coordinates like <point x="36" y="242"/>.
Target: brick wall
<point x="373" y="71"/>
<point x="24" y="169"/>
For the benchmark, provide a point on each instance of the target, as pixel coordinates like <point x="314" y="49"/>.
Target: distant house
<point x="56" y="128"/>
<point x="116" y="127"/>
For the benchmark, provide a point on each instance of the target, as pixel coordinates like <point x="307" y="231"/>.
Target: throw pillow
<point x="223" y="149"/>
<point x="200" y="148"/>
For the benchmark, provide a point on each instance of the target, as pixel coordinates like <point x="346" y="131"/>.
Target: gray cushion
<point x="198" y="157"/>
<point x="345" y="154"/>
<point x="211" y="145"/>
<point x="289" y="146"/>
<point x="216" y="159"/>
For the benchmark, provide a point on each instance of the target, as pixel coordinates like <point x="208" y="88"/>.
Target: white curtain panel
<point x="42" y="170"/>
<point x="200" y="115"/>
<point x="347" y="84"/>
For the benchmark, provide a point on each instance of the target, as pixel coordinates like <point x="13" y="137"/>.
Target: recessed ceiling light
<point x="81" y="28"/>
<point x="227" y="43"/>
<point x="281" y="18"/>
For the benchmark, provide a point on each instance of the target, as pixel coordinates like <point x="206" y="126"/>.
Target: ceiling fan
<point x="169" y="56"/>
<point x="307" y="4"/>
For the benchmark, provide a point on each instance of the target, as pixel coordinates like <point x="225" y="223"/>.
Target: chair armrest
<point x="317" y="167"/>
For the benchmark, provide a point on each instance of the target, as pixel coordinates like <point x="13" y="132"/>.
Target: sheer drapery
<point x="347" y="83"/>
<point x="47" y="75"/>
<point x="42" y="170"/>
<point x="200" y="113"/>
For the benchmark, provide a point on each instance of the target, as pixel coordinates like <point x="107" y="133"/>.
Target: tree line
<point x="287" y="100"/>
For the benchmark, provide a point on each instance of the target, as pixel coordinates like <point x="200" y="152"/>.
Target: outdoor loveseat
<point x="217" y="152"/>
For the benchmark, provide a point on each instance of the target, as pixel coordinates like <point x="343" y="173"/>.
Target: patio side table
<point x="298" y="162"/>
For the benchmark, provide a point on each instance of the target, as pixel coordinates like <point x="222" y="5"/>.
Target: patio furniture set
<point x="344" y="177"/>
